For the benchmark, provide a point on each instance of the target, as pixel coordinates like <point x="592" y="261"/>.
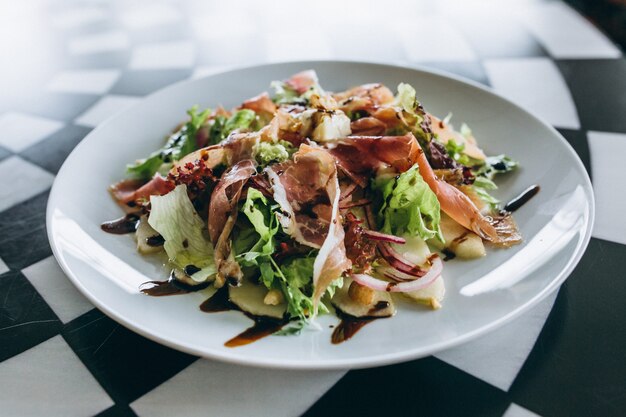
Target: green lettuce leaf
<point x="407" y="205"/>
<point x="284" y="94"/>
<point x="265" y="226"/>
<point x="485" y="173"/>
<point x="256" y="242"/>
<point x="241" y="119"/>
<point x="267" y="153"/>
<point x="496" y="165"/>
<point x="486" y="197"/>
<point x="179" y="144"/>
<point x="414" y="115"/>
<point x="221" y="126"/>
<point x="186" y="243"/>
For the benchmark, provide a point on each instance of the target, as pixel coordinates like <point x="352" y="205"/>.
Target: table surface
<point x="67" y="66"/>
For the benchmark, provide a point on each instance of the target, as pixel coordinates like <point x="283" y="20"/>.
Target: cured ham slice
<point x="368" y="126"/>
<point x="128" y="192"/>
<point x="302" y="81"/>
<point x="261" y="105"/>
<point x="360" y="156"/>
<point x="308" y="193"/>
<point x="222" y="218"/>
<point x="367" y="97"/>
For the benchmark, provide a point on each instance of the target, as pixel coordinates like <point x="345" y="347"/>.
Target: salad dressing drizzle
<point x="522" y="199"/>
<point x="263" y="326"/>
<point x="161" y="288"/>
<point x="155" y="241"/>
<point x="350" y="325"/>
<point x="121" y="226"/>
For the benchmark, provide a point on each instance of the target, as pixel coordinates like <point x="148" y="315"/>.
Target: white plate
<point x="481" y="294"/>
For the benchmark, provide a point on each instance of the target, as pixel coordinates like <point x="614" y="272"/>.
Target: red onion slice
<point x="383" y="237"/>
<point x="379" y="285"/>
<point x="399" y="262"/>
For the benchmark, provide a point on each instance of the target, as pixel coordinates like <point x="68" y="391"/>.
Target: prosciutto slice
<point x="367" y="97"/>
<point x="222" y="218"/>
<point x="302" y="81"/>
<point x="128" y="192"/>
<point x="307" y="190"/>
<point x="360" y="156"/>
<point x="261" y="104"/>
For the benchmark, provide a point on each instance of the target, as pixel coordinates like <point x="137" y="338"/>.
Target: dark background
<point x="609" y="15"/>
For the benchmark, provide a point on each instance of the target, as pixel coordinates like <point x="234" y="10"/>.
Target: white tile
<point x="105" y="108"/>
<point x="607" y="154"/>
<point x="537" y="85"/>
<point x="431" y="39"/>
<point x="314" y="45"/>
<point x="84" y="81"/>
<point x="216" y="26"/>
<point x="208" y="388"/>
<point x="166" y="55"/>
<point x="114" y="40"/>
<point x="3" y="267"/>
<point x="58" y="291"/>
<point x="20" y="130"/>
<point x="78" y="16"/>
<point x="21" y="180"/>
<point x="565" y="33"/>
<point x="49" y="379"/>
<point x="497" y="357"/>
<point x="147" y="15"/>
<point x="203" y="71"/>
<point x="515" y="410"/>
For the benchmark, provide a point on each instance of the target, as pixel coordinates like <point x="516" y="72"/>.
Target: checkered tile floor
<point x="70" y="65"/>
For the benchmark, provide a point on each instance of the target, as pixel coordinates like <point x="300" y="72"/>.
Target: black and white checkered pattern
<point x="67" y="66"/>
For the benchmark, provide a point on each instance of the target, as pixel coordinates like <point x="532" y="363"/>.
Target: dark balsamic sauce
<point x="218" y="302"/>
<point x="522" y="199"/>
<point x="381" y="305"/>
<point x="459" y="239"/>
<point x="155" y="241"/>
<point x="191" y="269"/>
<point x="448" y="254"/>
<point x="122" y="226"/>
<point x="263" y="326"/>
<point x="348" y="327"/>
<point x="161" y="288"/>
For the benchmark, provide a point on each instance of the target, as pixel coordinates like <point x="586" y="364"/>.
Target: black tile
<point x="23" y="238"/>
<point x="117" y="410"/>
<point x="4" y="153"/>
<point x="578" y="140"/>
<point x="472" y="70"/>
<point x="52" y="152"/>
<point x="125" y="364"/>
<point x="577" y="366"/>
<point x="598" y="87"/>
<point x="145" y="82"/>
<point x="25" y="318"/>
<point x="498" y="38"/>
<point x="426" y="387"/>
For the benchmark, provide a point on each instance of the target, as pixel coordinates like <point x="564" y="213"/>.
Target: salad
<point x="307" y="202"/>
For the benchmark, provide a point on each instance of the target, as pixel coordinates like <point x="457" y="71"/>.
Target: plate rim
<point x="333" y="364"/>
